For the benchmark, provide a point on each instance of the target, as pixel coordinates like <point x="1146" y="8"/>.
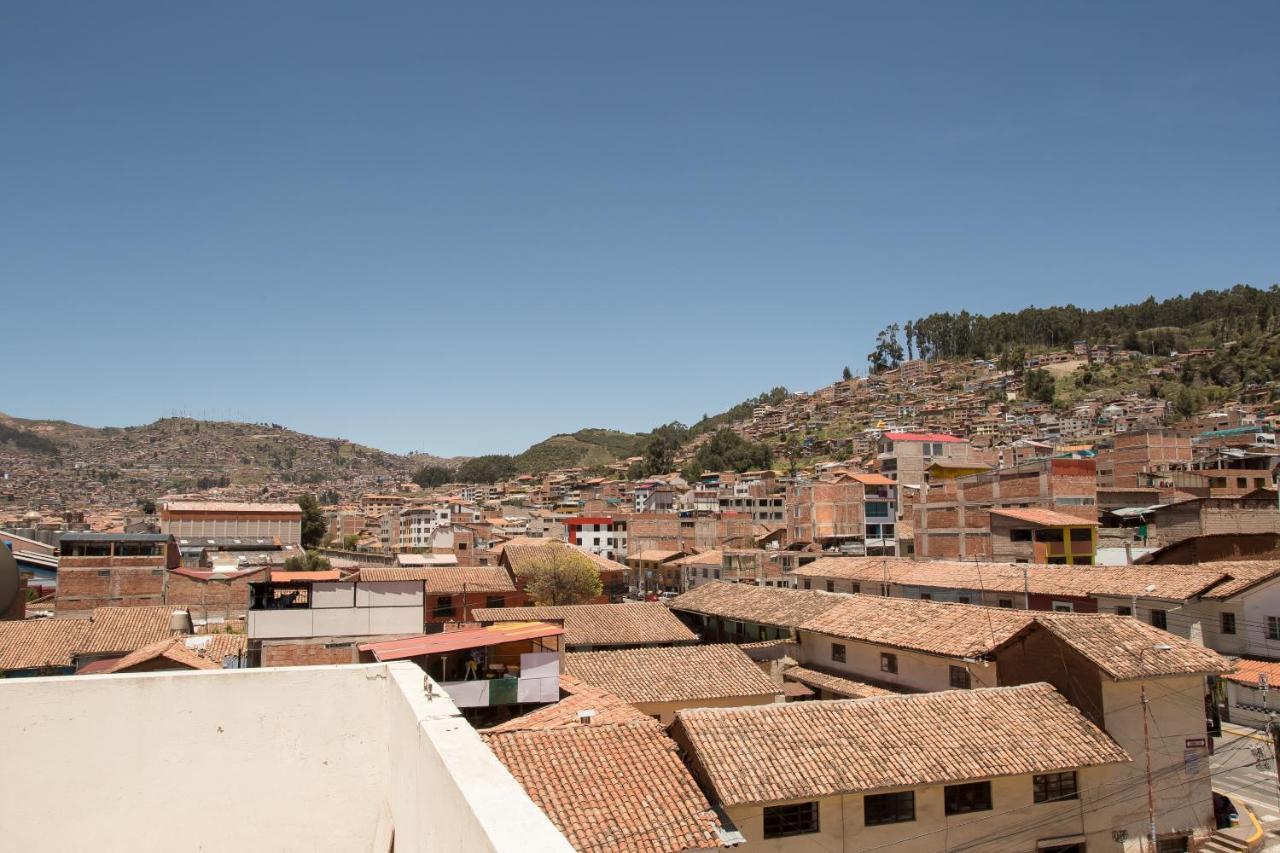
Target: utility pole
<point x="1151" y="801"/>
<point x="1026" y="589"/>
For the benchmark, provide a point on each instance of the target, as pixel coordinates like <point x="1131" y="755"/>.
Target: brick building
<point x="955" y="518"/>
<point x="855" y="513"/>
<point x="216" y="519"/>
<point x="113" y="569"/>
<point x="1142" y="451"/>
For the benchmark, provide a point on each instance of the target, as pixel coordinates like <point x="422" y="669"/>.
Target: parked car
<point x="1225" y="813"/>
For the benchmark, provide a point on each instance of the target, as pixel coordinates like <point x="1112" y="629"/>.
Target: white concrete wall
<point x="325" y="758"/>
<point x="334" y="622"/>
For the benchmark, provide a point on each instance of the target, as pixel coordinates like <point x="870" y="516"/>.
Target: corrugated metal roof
<point x="452" y="641"/>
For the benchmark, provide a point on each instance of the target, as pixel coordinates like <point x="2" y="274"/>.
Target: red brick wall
<point x="216" y="595"/>
<point x="81" y="589"/>
<point x="308" y="653"/>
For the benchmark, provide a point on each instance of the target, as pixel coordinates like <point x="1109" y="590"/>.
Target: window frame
<point x="950" y="792"/>
<point x="1043" y="786"/>
<point x="890" y="808"/>
<point x="783" y="815"/>
<point x="839" y="653"/>
<point x="1227" y="623"/>
<point x="889" y="662"/>
<point x="960" y="683"/>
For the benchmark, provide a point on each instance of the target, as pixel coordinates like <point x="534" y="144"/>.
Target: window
<point x="807" y="584"/>
<point x="494" y="601"/>
<point x="1006" y="602"/>
<point x="837" y="652"/>
<point x="879" y="809"/>
<point x="1020" y="534"/>
<point x="1242" y="482"/>
<point x="1063" y="607"/>
<point x="960" y="677"/>
<point x="964" y="599"/>
<point x="105" y="573"/>
<point x="797" y="819"/>
<point x="761" y="632"/>
<point x="1052" y="787"/>
<point x="1273" y="627"/>
<point x="888" y="662"/>
<point x="1228" y="623"/>
<point x="877" y="509"/>
<point x="1124" y="610"/>
<point x="1177" y="844"/>
<point x="1160" y="619"/>
<point x="962" y="799"/>
<point x="1081" y="534"/>
<point x="443" y="608"/>
<point x="831" y="586"/>
<point x="857" y="587"/>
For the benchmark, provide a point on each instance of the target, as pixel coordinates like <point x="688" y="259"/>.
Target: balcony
<point x="334" y="609"/>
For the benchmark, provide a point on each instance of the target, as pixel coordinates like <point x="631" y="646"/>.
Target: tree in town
<point x="486" y="469"/>
<point x="848" y="374"/>
<point x="561" y="574"/>
<point x="313" y="523"/>
<point x="430" y="476"/>
<point x="1039" y="385"/>
<point x="311" y="561"/>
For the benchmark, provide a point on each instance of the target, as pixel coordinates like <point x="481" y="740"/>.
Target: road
<point x="1236" y="775"/>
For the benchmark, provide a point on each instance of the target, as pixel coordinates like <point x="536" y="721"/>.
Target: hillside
<point x="586" y="448"/>
<point x="67" y="464"/>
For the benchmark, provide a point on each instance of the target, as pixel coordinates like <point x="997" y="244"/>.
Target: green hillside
<point x="586" y="448"/>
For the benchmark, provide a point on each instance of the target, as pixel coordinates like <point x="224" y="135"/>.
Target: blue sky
<point x="463" y="227"/>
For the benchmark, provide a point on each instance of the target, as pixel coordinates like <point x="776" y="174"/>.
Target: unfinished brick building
<point x="954" y="519"/>
<point x="113" y="569"/>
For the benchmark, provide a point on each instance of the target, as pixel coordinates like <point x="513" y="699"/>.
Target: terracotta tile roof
<point x="1046" y="517"/>
<point x="674" y="674"/>
<point x="228" y="506"/>
<point x="1171" y="582"/>
<point x="805" y="750"/>
<point x="219" y="646"/>
<point x="1241" y="575"/>
<point x="655" y="556"/>
<point x="841" y="686"/>
<point x="922" y="436"/>
<point x="1125" y="648"/>
<point x="31" y="643"/>
<point x="706" y="558"/>
<point x="613" y="787"/>
<point x="954" y="630"/>
<point x="610" y="709"/>
<point x="521" y="556"/>
<point x="762" y="604"/>
<point x="125" y="629"/>
<point x="602" y="624"/>
<point x="873" y="479"/>
<point x="1247" y="672"/>
<point x="445" y="580"/>
<point x="174" y="650"/>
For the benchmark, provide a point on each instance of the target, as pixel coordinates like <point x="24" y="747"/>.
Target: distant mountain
<point x="60" y="462"/>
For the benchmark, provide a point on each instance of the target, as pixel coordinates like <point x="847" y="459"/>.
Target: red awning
<point x="468" y="638"/>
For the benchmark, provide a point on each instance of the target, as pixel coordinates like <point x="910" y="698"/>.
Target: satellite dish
<point x="9" y="581"/>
